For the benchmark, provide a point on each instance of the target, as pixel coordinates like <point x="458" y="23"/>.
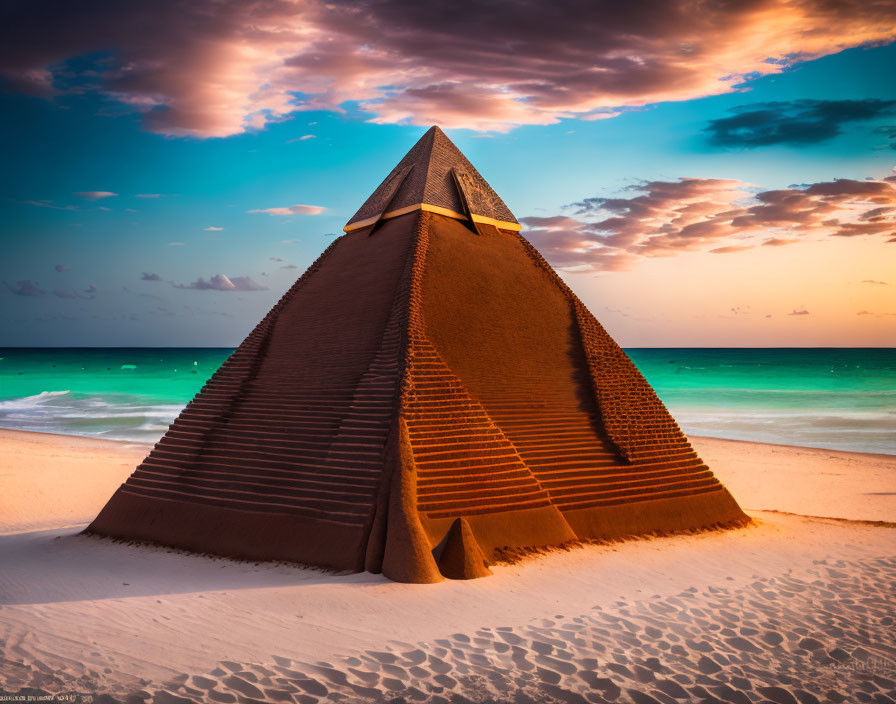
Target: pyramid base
<point x="533" y="527"/>
<point x="715" y="509"/>
<point x="241" y="535"/>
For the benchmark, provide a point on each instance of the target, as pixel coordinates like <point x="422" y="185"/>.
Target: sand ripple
<point x="827" y="637"/>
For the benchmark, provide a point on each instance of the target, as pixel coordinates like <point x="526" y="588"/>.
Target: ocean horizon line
<point x="625" y="347"/>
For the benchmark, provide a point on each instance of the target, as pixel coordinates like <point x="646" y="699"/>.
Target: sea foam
<point x="111" y="416"/>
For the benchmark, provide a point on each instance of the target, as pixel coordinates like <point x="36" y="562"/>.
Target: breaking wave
<point x="853" y="431"/>
<point x="110" y="416"/>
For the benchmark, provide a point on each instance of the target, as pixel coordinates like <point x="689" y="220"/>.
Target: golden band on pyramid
<point x="428" y="395"/>
<point x="500" y="224"/>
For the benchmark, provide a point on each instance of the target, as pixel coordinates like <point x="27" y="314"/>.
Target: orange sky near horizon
<point x="725" y="300"/>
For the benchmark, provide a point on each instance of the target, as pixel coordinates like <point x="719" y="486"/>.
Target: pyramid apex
<point x="435" y="176"/>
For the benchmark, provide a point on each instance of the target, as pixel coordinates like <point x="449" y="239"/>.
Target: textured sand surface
<point x="792" y="609"/>
<point x="55" y="481"/>
<point x="805" y="480"/>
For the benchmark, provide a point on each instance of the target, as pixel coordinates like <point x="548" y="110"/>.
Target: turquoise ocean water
<point x="832" y="398"/>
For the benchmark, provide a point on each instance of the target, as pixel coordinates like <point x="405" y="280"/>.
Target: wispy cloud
<point x="291" y="210"/>
<point x="665" y="218"/>
<point x="177" y="244"/>
<point x="802" y="311"/>
<point x="150" y="195"/>
<point x="87" y="293"/>
<point x="25" y="287"/>
<point x="873" y="281"/>
<point x="150" y="277"/>
<point x="212" y="228"/>
<point x="49" y="204"/>
<point x="221" y="69"/>
<point x="778" y="242"/>
<point x="730" y="249"/>
<point x="303" y="138"/>
<point x="220" y="282"/>
<point x="889" y="131"/>
<point x="61" y="268"/>
<point x="95" y="195"/>
<point x="793" y="123"/>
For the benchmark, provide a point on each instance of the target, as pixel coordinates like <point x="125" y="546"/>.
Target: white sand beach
<point x="798" y="607"/>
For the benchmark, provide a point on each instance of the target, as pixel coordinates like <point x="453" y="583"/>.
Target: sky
<point x="701" y="175"/>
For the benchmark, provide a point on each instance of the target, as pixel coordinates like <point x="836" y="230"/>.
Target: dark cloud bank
<point x="219" y="67"/>
<point x="794" y="123"/>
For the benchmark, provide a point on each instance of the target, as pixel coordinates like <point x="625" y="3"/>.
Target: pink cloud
<point x="220" y="282"/>
<point x="292" y="210"/>
<point x="96" y="195"/>
<point x="728" y="250"/>
<point x="209" y="69"/>
<point x="720" y="216"/>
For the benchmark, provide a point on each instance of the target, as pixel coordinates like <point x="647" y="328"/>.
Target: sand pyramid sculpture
<point x="426" y="396"/>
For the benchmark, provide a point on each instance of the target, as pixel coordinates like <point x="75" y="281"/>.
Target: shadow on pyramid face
<point x="420" y="373"/>
<point x="581" y="377"/>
